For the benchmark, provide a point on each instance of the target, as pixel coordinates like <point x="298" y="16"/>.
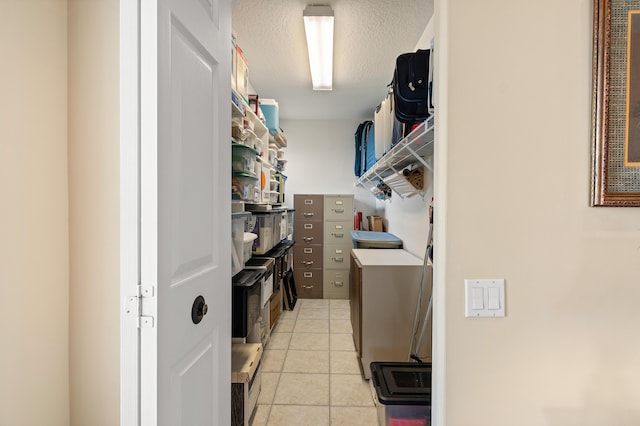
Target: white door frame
<point x="132" y="66"/>
<point x="129" y="210"/>
<point x="438" y="384"/>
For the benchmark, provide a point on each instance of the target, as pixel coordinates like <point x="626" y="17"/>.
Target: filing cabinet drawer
<point x="308" y="283"/>
<point x="308" y="207"/>
<point x="336" y="284"/>
<point x="307" y="257"/>
<point x="338" y="232"/>
<point x="308" y="232"/>
<point x="336" y="256"/>
<point x="338" y="207"/>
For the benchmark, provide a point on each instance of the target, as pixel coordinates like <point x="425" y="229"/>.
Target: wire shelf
<point x="416" y="147"/>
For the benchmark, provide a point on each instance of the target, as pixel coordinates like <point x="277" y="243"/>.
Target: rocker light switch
<point x="494" y="298"/>
<point x="484" y="298"/>
<point x="478" y="298"/>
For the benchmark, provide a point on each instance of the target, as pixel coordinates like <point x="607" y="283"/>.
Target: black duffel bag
<point x="410" y="86"/>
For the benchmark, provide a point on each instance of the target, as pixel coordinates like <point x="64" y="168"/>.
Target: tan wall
<point x="517" y="195"/>
<point x="94" y="346"/>
<point x="34" y="384"/>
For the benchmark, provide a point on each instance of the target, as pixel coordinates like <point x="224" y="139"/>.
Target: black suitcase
<point x="410" y="86"/>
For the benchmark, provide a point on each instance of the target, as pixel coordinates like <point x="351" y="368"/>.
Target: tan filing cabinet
<point x="308" y="235"/>
<point x="323" y="224"/>
<point x="338" y="224"/>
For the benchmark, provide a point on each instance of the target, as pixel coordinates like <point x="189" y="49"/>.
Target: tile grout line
<point x="330" y="372"/>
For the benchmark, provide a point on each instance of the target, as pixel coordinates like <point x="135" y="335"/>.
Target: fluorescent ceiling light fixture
<point x="318" y="26"/>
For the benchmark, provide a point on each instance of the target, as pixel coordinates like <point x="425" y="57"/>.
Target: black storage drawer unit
<point x="246" y="301"/>
<point x="404" y="392"/>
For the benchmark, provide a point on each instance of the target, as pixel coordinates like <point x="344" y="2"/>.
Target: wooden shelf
<point x="245" y="358"/>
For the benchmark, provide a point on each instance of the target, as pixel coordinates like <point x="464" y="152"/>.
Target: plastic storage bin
<point x="245" y="301"/>
<point x="404" y="393"/>
<point x="238" y="249"/>
<point x="273" y="197"/>
<point x="273" y="156"/>
<point x="290" y="216"/>
<point x="269" y="108"/>
<point x="375" y="240"/>
<point x="243" y="159"/>
<point x="248" y="245"/>
<point x="245" y="187"/>
<point x="283" y="223"/>
<point x="265" y="230"/>
<point x="277" y="225"/>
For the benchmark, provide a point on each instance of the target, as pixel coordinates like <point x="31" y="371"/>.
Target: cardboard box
<point x="234" y="65"/>
<point x="375" y="223"/>
<point x="234" y="45"/>
<point x="242" y="75"/>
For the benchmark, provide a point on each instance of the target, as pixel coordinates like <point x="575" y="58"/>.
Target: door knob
<point x="198" y="310"/>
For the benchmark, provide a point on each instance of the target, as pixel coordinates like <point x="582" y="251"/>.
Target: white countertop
<point x="386" y="257"/>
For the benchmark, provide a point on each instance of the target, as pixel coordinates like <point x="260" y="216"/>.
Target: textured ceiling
<point x="368" y="36"/>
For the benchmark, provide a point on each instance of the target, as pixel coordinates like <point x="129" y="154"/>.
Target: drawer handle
<point x="307" y="287"/>
<point x="307" y="262"/>
<point x="338" y="210"/>
<point x="307" y="239"/>
<point x="307" y="214"/>
<point x="338" y="283"/>
<point x="338" y="259"/>
<point x="338" y="234"/>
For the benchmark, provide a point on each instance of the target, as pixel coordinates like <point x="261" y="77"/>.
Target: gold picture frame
<point x="615" y="152"/>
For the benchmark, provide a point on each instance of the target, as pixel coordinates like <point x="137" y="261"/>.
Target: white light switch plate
<point x="484" y="298"/>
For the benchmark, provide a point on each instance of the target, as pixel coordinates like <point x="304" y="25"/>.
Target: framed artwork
<point x="615" y="151"/>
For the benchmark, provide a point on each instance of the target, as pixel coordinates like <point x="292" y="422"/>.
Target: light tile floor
<point x="310" y="372"/>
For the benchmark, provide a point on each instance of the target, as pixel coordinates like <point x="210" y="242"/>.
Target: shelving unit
<point x="257" y="133"/>
<point x="416" y="147"/>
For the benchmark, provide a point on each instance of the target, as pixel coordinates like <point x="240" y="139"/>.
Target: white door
<point x="184" y="209"/>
